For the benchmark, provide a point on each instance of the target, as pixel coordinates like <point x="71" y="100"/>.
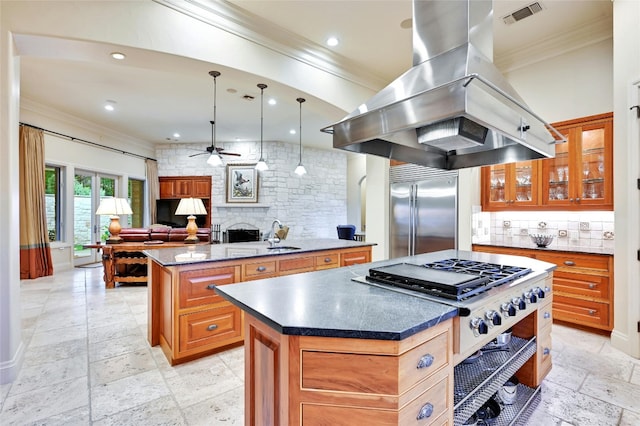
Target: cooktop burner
<point x="454" y="279"/>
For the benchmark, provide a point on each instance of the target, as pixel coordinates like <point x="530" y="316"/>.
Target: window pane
<point x="52" y="201"/>
<point x="136" y="201"/>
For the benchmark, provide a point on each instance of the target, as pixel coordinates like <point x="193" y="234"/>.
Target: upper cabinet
<point x="185" y="186"/>
<point x="579" y="177"/>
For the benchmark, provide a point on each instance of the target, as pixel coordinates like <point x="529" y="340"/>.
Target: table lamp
<point x="191" y="207"/>
<point x="114" y="207"/>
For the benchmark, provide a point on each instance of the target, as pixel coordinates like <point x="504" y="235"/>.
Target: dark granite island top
<point x="330" y="304"/>
<point x="221" y="252"/>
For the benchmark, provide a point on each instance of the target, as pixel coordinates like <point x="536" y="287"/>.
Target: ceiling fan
<point x="213" y="150"/>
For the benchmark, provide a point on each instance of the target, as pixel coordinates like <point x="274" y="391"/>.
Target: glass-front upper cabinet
<point x="508" y="186"/>
<point x="580" y="175"/>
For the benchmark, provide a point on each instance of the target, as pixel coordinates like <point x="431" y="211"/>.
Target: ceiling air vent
<point x="522" y="13"/>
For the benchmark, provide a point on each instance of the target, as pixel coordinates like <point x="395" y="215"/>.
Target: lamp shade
<point x="191" y="206"/>
<point x="113" y="206"/>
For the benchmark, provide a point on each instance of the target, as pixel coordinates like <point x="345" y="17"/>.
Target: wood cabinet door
<point x="167" y="188"/>
<point x="580" y="176"/>
<point x="202" y="188"/>
<point x="509" y="186"/>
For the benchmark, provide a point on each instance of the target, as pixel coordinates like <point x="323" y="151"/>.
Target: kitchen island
<point x="321" y="348"/>
<point x="189" y="320"/>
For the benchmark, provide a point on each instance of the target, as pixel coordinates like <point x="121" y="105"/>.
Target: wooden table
<point x="119" y="260"/>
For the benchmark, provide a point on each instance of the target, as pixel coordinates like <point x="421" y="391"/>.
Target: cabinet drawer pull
<point x="261" y="268"/>
<point x="546" y="351"/>
<point x="425" y="361"/>
<point x="425" y="411"/>
<point x="547" y="315"/>
<point x="327" y="259"/>
<point x="211" y="287"/>
<point x="212" y="327"/>
<point x="570" y="263"/>
<point x="592" y="312"/>
<point x="592" y="285"/>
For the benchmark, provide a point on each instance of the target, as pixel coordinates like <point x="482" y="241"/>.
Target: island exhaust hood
<point x="453" y="109"/>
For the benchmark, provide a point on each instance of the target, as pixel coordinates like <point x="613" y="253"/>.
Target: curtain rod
<point x="88" y="142"/>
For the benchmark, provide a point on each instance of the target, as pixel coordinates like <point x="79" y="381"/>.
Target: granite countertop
<point x="202" y="253"/>
<point x="526" y="243"/>
<point x="329" y="303"/>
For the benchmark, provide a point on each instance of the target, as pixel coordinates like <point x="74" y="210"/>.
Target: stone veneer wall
<point x="311" y="206"/>
<point x="583" y="229"/>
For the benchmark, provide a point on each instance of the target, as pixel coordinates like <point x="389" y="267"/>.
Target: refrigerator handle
<point x="412" y="220"/>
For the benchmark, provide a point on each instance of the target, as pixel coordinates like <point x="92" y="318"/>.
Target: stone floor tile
<point x="114" y="347"/>
<point x="46" y="402"/>
<point x="569" y="376"/>
<point x="59" y="335"/>
<point x="42" y="375"/>
<point x="629" y="418"/>
<point x="613" y="391"/>
<point x="225" y="409"/>
<point x="118" y="367"/>
<point x="48" y="353"/>
<point x="126" y="393"/>
<point x="595" y="362"/>
<point x="190" y="386"/>
<point x="159" y="412"/>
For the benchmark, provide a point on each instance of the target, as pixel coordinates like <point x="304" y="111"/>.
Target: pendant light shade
<point x="300" y="170"/>
<point x="261" y="165"/>
<point x="214" y="159"/>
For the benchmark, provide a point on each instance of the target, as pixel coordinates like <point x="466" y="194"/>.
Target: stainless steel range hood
<point x="453" y="109"/>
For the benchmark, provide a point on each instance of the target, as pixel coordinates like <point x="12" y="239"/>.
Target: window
<point x="136" y="201"/>
<point x="53" y="197"/>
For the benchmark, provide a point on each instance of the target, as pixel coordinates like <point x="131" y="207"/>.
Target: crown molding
<point x="583" y="36"/>
<point x="235" y="20"/>
<point x="146" y="148"/>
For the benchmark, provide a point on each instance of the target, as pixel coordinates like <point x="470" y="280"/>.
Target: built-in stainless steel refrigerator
<point x="424" y="211"/>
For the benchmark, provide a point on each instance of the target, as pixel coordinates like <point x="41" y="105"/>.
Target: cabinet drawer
<point x="543" y="353"/>
<point x="355" y="257"/>
<point x="434" y="401"/>
<point x="257" y="270"/>
<point x="593" y="286"/>
<point x="326" y="261"/>
<point x="545" y="315"/>
<point x="572" y="261"/>
<point x="210" y="328"/>
<point x="367" y="373"/>
<point x="196" y="287"/>
<point x="585" y="312"/>
<point x="296" y="265"/>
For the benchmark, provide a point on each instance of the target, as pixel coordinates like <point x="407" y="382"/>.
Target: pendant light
<point x="300" y="170"/>
<point x="214" y="159"/>
<point x="261" y="165"/>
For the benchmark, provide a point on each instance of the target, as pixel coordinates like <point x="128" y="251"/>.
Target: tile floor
<point x="87" y="362"/>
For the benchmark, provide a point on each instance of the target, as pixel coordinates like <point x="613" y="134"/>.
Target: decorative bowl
<point x="541" y="240"/>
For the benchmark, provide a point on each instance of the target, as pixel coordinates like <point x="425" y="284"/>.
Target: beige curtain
<point x="35" y="253"/>
<point x="153" y="187"/>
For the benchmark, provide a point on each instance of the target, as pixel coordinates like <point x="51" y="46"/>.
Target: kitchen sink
<point x="283" y="248"/>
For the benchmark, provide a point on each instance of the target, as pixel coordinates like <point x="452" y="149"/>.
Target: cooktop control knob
<point x="520" y="303"/>
<point x="479" y="326"/>
<point x="508" y="309"/>
<point x="530" y="296"/>
<point x="493" y="318"/>
<point x="539" y="292"/>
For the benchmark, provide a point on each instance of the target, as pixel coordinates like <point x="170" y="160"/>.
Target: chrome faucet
<point x="274" y="239"/>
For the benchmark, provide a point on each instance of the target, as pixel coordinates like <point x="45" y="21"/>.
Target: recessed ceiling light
<point x="292" y="131"/>
<point x="110" y="105"/>
<point x="231" y="90"/>
<point x="117" y="55"/>
<point x="176" y="135"/>
<point x="406" y="24"/>
<point x="332" y="41"/>
<point x="272" y="101"/>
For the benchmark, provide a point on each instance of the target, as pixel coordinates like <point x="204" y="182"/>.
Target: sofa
<point x="161" y="233"/>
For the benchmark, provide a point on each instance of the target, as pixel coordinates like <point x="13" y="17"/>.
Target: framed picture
<point x="242" y="183"/>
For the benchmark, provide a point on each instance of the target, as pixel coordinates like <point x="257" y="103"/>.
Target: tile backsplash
<point x="570" y="229"/>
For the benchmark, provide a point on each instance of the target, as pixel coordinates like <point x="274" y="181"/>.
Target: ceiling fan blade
<point x="235" y="154"/>
<point x="200" y="153"/>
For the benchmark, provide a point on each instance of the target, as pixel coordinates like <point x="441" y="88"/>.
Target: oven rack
<point x="475" y="383"/>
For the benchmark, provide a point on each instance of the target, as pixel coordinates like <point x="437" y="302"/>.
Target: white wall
<point x="311" y="206"/>
<point x="574" y="84"/>
<point x="356" y="171"/>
